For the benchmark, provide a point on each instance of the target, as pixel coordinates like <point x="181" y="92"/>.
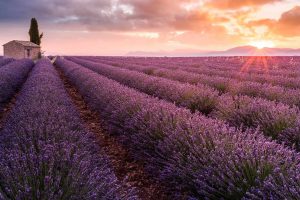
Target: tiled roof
<point x="24" y="43"/>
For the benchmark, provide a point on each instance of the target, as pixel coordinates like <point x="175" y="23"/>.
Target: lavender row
<point x="12" y="77"/>
<point x="5" y="61"/>
<point x="196" y="98"/>
<point x="228" y="76"/>
<point x="279" y="79"/>
<point x="273" y="119"/>
<point x="45" y="152"/>
<point x="198" y="156"/>
<point x="224" y="85"/>
<point x="275" y="80"/>
<point x="274" y="66"/>
<point x="286" y="66"/>
<point x="221" y="84"/>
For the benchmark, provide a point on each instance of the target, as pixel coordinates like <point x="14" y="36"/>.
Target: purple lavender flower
<point x="5" y="61"/>
<point x="12" y="76"/>
<point x="45" y="151"/>
<point x="272" y="118"/>
<point x="200" y="157"/>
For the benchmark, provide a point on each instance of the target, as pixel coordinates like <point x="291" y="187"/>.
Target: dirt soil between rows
<point x="125" y="168"/>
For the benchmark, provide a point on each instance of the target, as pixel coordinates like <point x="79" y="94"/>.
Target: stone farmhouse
<point x="21" y="49"/>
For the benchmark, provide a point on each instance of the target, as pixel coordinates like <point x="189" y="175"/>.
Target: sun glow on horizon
<point x="260" y="44"/>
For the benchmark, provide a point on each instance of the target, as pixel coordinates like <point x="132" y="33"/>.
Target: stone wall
<point x="14" y="50"/>
<point x="18" y="51"/>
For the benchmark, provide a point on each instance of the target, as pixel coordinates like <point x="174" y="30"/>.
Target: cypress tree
<point x="35" y="36"/>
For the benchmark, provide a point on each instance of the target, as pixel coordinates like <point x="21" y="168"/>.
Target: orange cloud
<point x="288" y="25"/>
<point x="191" y="21"/>
<point x="263" y="22"/>
<point x="166" y="15"/>
<point x="235" y="4"/>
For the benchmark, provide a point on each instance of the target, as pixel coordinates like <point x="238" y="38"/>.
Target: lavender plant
<point x="272" y="118"/>
<point x="5" y="61"/>
<point x="227" y="66"/>
<point x="45" y="151"/>
<point x="197" y="98"/>
<point x="12" y="76"/>
<point x="255" y="87"/>
<point x="201" y="158"/>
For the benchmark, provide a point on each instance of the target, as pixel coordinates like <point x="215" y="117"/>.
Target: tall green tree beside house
<point x="35" y="36"/>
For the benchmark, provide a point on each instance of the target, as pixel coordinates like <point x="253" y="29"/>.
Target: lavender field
<point x="150" y="128"/>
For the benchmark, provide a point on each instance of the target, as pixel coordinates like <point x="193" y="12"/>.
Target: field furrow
<point x="131" y="172"/>
<point x="223" y="85"/>
<point x="273" y="119"/>
<point x="45" y="151"/>
<point x="197" y="156"/>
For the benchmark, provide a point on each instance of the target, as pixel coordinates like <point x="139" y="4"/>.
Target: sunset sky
<point x="116" y="27"/>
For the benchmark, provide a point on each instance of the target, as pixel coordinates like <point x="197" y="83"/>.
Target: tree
<point x="35" y="36"/>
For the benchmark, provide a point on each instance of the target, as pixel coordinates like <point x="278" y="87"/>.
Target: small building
<point x="21" y="49"/>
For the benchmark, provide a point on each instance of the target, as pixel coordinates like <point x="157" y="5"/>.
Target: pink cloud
<point x="235" y="4"/>
<point x="288" y="25"/>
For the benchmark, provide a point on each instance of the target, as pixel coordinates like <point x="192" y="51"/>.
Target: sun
<point x="260" y="44"/>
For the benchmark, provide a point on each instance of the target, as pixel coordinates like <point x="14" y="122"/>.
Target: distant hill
<point x="237" y="51"/>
